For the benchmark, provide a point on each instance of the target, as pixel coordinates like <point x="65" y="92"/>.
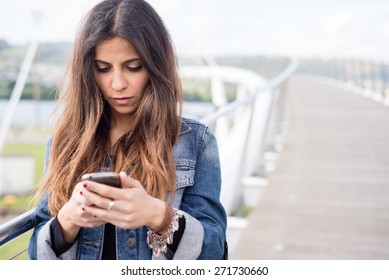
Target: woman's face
<point x="121" y="76"/>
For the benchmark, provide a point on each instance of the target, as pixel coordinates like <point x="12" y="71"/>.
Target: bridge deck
<point x="329" y="195"/>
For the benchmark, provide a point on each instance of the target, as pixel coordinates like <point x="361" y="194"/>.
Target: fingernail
<point x="85" y="185"/>
<point x="81" y="192"/>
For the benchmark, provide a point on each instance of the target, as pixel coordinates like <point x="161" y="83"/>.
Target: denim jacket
<point x="197" y="197"/>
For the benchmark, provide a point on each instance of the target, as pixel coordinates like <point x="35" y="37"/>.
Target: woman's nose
<point x="118" y="81"/>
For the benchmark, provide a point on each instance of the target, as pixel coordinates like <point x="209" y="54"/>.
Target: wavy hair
<point x="80" y="137"/>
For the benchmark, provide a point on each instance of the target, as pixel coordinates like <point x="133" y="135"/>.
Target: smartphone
<point x="107" y="178"/>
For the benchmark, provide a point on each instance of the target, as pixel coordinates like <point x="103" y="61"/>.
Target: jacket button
<point x="131" y="242"/>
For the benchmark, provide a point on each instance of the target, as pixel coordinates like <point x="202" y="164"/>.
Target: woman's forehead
<point x="116" y="47"/>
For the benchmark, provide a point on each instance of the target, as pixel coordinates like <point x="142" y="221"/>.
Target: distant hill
<point x="54" y="53"/>
<point x="47" y="68"/>
<point x="51" y="53"/>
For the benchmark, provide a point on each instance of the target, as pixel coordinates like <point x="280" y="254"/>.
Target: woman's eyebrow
<point x="127" y="61"/>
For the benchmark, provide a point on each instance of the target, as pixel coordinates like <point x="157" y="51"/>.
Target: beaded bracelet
<point x="158" y="242"/>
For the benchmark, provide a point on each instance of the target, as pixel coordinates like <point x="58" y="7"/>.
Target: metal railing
<point x="15" y="228"/>
<point x="245" y="130"/>
<point x="364" y="76"/>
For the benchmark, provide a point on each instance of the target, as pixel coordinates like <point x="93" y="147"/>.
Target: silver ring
<point x="111" y="204"/>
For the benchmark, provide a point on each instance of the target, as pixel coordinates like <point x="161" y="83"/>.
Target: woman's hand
<point x="73" y="216"/>
<point x="132" y="205"/>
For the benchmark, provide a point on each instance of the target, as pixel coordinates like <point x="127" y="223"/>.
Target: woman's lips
<point x="122" y="100"/>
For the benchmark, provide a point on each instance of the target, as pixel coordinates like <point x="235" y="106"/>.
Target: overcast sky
<point x="326" y="28"/>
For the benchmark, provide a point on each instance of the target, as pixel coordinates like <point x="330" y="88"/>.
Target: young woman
<point x="120" y="110"/>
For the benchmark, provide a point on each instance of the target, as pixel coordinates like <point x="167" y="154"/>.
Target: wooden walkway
<point x="328" y="198"/>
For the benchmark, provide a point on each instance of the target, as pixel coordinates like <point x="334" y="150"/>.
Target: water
<point x="31" y="113"/>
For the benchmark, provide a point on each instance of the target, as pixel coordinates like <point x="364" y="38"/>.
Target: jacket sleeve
<point x="206" y="220"/>
<point x="40" y="241"/>
<point x="40" y="247"/>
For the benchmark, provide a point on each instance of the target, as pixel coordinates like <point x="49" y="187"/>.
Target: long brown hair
<point x="81" y="137"/>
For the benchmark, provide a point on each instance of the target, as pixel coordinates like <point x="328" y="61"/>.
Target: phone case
<point x="106" y="178"/>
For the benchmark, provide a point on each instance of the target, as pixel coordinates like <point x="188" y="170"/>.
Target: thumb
<point x="128" y="182"/>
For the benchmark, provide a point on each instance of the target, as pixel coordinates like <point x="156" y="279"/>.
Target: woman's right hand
<point x="72" y="215"/>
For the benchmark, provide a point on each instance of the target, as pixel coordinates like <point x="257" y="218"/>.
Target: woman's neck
<point x="119" y="127"/>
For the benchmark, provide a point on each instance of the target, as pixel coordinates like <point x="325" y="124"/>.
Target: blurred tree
<point x="3" y="44"/>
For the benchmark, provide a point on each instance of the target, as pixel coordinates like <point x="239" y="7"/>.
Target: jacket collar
<point x="184" y="127"/>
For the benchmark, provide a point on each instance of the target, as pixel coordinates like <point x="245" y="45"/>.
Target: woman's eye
<point x="102" y="69"/>
<point x="129" y="68"/>
<point x="134" y="69"/>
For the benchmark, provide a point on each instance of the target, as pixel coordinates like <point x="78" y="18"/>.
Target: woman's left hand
<point x="131" y="206"/>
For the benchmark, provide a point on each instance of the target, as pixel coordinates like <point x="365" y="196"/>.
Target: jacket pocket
<point x="185" y="172"/>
